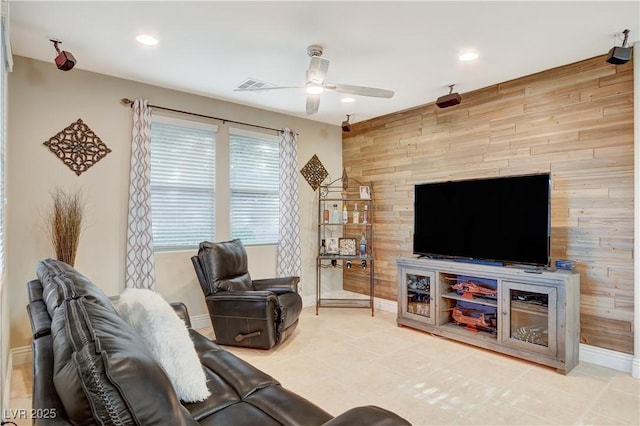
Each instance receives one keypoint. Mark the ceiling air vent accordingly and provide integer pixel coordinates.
(253, 83)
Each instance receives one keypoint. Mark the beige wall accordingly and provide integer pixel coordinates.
(576, 122)
(43, 101)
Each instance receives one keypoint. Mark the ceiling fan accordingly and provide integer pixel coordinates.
(315, 83)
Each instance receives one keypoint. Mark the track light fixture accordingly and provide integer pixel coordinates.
(620, 55)
(449, 100)
(346, 127)
(64, 60)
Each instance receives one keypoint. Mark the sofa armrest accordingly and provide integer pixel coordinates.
(277, 285)
(368, 416)
(249, 304)
(39, 318)
(181, 309)
(34, 290)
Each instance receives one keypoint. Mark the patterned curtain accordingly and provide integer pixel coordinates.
(139, 263)
(289, 263)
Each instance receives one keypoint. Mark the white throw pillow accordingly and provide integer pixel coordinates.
(167, 338)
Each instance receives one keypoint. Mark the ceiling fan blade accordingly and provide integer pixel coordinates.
(318, 68)
(359, 90)
(313, 103)
(262, 89)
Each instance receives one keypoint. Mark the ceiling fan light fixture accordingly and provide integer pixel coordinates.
(315, 84)
(314, 89)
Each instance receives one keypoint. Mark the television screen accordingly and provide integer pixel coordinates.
(504, 219)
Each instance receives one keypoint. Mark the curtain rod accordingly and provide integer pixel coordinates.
(129, 102)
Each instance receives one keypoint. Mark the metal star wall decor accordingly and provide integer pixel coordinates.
(78, 147)
(314, 172)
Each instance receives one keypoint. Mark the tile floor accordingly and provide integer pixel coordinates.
(343, 358)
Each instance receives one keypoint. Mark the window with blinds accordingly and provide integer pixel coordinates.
(255, 186)
(182, 183)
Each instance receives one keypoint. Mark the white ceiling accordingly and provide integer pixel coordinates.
(210, 47)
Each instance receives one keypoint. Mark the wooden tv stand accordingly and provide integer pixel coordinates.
(531, 314)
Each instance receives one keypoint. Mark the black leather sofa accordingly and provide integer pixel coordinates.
(90, 367)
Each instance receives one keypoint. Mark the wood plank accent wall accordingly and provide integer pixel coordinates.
(575, 121)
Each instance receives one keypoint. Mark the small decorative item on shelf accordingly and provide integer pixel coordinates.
(356, 214)
(325, 215)
(568, 265)
(345, 214)
(333, 245)
(347, 246)
(335, 214)
(365, 214)
(531, 335)
(363, 245)
(345, 183)
(365, 193)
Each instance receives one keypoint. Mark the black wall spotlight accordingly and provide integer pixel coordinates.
(620, 55)
(64, 60)
(346, 127)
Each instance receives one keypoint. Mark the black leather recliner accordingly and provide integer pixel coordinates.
(245, 312)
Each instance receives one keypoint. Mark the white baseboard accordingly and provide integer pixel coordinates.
(386, 305)
(308, 301)
(607, 358)
(200, 321)
(635, 367)
(21, 355)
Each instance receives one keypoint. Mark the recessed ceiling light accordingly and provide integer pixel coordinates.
(147, 40)
(468, 56)
(347, 100)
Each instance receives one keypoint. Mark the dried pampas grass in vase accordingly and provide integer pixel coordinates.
(65, 223)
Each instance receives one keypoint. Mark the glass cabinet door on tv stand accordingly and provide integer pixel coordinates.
(530, 317)
(345, 243)
(416, 294)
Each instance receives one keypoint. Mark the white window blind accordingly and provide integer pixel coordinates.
(255, 186)
(182, 183)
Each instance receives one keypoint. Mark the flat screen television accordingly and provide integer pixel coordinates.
(501, 220)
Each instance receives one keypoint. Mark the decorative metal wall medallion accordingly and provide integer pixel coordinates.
(78, 147)
(314, 172)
